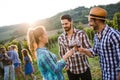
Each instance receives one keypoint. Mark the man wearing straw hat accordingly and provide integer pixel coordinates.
(106, 44)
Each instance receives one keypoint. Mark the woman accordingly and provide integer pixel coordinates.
(47, 63)
(28, 67)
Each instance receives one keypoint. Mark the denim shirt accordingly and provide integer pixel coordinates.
(14, 56)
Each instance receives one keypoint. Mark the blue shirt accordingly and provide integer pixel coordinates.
(48, 65)
(108, 49)
(14, 56)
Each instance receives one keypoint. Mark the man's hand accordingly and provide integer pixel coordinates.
(81, 50)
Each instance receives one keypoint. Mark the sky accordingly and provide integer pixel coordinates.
(19, 11)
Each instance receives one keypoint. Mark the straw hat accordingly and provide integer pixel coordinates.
(97, 13)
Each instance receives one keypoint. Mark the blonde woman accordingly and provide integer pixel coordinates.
(50, 68)
(16, 62)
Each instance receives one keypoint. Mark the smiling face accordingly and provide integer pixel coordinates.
(66, 25)
(93, 23)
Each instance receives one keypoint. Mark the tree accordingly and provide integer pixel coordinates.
(116, 21)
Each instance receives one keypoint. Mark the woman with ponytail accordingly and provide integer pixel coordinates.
(50, 68)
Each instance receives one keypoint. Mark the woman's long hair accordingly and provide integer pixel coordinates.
(26, 53)
(33, 36)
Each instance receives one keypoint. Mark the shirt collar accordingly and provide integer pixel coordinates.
(43, 48)
(103, 31)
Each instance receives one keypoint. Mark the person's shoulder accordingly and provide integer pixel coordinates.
(41, 54)
(41, 51)
(114, 31)
(14, 52)
(61, 36)
(80, 31)
(9, 52)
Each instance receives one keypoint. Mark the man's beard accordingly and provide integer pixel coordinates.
(67, 29)
(95, 27)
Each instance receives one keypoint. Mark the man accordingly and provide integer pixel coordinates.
(77, 66)
(106, 44)
(7, 63)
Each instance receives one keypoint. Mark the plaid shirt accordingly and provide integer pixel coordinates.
(77, 63)
(48, 65)
(108, 49)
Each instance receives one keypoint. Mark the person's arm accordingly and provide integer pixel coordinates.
(115, 41)
(62, 52)
(10, 54)
(91, 52)
(85, 41)
(50, 64)
(6, 56)
(68, 54)
(85, 51)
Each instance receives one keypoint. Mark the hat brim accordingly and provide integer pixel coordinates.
(95, 17)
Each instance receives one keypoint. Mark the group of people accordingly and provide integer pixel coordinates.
(12, 64)
(74, 47)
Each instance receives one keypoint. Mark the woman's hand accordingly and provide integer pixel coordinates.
(68, 54)
(82, 50)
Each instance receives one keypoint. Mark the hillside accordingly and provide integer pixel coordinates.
(13, 31)
(78, 15)
(52, 23)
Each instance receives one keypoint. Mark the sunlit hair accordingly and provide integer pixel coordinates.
(66, 16)
(25, 53)
(9, 47)
(33, 36)
(14, 47)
